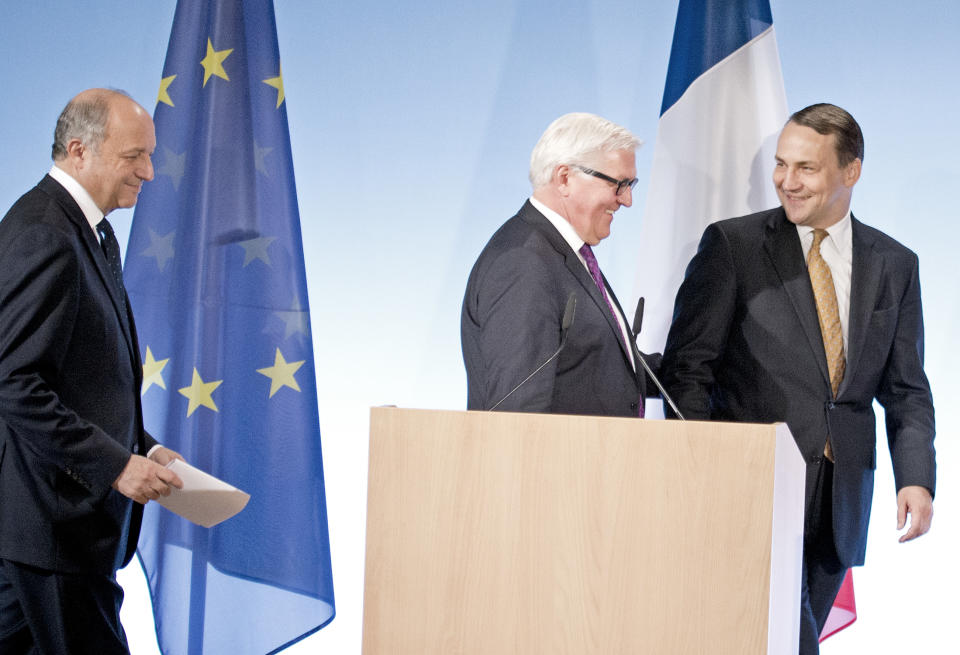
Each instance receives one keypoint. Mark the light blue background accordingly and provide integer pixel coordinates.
(412, 128)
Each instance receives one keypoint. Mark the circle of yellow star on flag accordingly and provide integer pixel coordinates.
(199, 393)
(152, 372)
(163, 95)
(213, 63)
(277, 83)
(281, 374)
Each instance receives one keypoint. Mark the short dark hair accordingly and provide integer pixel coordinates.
(825, 118)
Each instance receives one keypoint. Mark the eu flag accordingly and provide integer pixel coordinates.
(215, 274)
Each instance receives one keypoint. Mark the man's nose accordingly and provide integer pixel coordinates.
(791, 180)
(146, 172)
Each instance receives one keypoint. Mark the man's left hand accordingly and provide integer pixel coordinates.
(917, 502)
(164, 455)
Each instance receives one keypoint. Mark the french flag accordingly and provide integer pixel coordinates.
(723, 107)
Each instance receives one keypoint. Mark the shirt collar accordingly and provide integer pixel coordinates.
(89, 208)
(563, 226)
(840, 231)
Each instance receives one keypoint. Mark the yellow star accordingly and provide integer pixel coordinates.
(153, 372)
(199, 393)
(281, 374)
(277, 83)
(163, 95)
(213, 63)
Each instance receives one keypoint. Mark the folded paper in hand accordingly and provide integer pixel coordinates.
(204, 499)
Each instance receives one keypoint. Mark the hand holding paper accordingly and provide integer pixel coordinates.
(204, 499)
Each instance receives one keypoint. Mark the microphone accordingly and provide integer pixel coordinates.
(565, 323)
(638, 318)
(637, 322)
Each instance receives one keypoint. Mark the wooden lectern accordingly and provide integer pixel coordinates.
(495, 533)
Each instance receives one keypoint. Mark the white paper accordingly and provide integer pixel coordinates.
(204, 499)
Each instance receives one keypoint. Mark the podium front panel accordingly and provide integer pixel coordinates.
(530, 533)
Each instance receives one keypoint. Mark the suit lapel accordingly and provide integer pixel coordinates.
(613, 321)
(578, 270)
(95, 253)
(99, 260)
(576, 267)
(865, 275)
(782, 245)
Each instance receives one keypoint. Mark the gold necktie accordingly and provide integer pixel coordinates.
(829, 314)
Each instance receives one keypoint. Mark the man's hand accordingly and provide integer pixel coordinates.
(143, 479)
(164, 455)
(917, 502)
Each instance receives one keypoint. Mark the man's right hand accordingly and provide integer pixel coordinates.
(143, 479)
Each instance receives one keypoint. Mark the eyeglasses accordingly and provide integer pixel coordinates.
(621, 184)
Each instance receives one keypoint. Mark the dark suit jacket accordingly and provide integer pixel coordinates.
(510, 324)
(745, 345)
(70, 378)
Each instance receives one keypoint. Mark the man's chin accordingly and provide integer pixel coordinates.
(794, 217)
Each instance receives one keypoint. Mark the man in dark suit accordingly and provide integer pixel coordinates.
(73, 451)
(582, 170)
(804, 314)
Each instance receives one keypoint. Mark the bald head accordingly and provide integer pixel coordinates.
(104, 140)
(84, 118)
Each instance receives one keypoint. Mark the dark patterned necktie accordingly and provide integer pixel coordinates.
(587, 252)
(111, 249)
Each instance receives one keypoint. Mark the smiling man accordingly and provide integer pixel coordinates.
(76, 464)
(583, 169)
(803, 314)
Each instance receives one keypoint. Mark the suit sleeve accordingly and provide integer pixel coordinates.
(702, 316)
(905, 395)
(39, 298)
(655, 362)
(518, 314)
(149, 442)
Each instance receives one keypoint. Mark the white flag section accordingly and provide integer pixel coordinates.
(713, 159)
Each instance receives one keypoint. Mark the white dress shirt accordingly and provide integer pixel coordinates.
(80, 195)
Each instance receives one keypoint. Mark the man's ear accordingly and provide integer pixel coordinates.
(561, 178)
(76, 151)
(852, 172)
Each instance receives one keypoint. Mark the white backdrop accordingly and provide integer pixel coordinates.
(411, 129)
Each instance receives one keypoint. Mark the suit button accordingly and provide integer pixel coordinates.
(831, 405)
(634, 406)
(816, 459)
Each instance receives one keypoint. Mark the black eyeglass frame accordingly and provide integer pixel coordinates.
(621, 184)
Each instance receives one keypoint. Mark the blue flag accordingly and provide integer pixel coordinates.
(215, 274)
(706, 33)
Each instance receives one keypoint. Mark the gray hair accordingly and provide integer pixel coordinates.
(573, 139)
(84, 118)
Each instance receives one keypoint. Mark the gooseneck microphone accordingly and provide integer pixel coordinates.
(565, 323)
(638, 318)
(637, 322)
